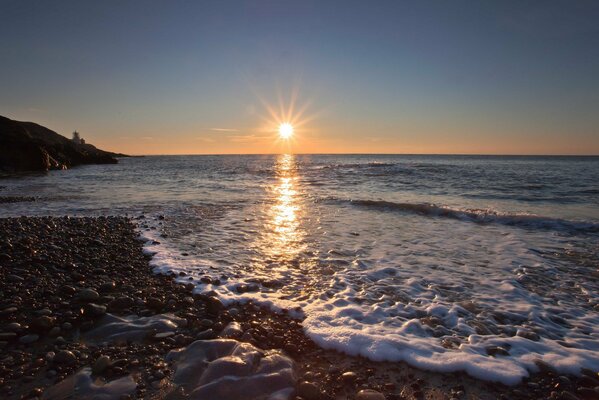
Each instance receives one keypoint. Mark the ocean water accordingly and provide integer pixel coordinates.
(451, 263)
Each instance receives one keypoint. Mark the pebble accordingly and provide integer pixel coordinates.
(163, 335)
(88, 295)
(349, 376)
(15, 278)
(121, 303)
(54, 331)
(101, 364)
(43, 323)
(13, 327)
(369, 394)
(65, 357)
(232, 330)
(308, 391)
(107, 287)
(94, 310)
(27, 339)
(7, 336)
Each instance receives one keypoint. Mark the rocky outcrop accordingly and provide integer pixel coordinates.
(25, 146)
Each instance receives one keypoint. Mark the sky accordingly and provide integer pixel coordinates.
(203, 77)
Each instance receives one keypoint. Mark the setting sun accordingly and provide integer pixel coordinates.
(285, 130)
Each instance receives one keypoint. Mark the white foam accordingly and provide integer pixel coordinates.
(379, 307)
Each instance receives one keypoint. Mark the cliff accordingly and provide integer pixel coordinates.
(26, 146)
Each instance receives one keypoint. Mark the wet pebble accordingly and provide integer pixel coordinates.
(101, 364)
(369, 394)
(28, 339)
(88, 295)
(308, 391)
(66, 357)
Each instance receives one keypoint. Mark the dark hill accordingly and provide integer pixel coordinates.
(25, 146)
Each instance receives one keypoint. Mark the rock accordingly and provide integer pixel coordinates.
(66, 357)
(154, 303)
(164, 335)
(25, 146)
(12, 327)
(15, 278)
(107, 287)
(369, 394)
(9, 310)
(213, 305)
(101, 364)
(28, 339)
(54, 331)
(121, 303)
(205, 335)
(88, 295)
(42, 324)
(7, 336)
(94, 310)
(349, 376)
(308, 391)
(69, 290)
(232, 330)
(497, 351)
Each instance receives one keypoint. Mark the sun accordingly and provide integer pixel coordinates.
(285, 130)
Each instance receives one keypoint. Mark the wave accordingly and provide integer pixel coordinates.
(482, 216)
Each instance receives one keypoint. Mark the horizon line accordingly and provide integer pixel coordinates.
(369, 154)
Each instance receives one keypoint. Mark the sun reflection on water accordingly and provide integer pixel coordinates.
(283, 233)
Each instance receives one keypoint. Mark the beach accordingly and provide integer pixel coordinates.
(62, 276)
(123, 283)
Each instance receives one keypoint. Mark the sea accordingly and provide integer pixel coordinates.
(481, 264)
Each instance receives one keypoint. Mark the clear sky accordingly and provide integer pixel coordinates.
(187, 77)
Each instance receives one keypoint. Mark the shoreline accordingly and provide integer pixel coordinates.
(62, 276)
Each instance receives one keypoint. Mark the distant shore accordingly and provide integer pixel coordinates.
(62, 277)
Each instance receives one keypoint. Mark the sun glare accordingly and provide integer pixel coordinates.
(285, 130)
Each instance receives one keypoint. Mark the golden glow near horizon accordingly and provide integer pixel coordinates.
(285, 130)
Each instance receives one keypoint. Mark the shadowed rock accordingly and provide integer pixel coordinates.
(26, 146)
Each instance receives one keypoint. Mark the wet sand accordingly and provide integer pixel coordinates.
(61, 277)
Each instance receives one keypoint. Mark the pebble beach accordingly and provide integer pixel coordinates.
(63, 278)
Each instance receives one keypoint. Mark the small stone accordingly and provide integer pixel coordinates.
(206, 323)
(15, 278)
(154, 303)
(369, 394)
(54, 331)
(213, 305)
(9, 310)
(163, 335)
(7, 336)
(13, 327)
(42, 324)
(101, 364)
(88, 295)
(27, 339)
(233, 330)
(349, 376)
(308, 391)
(206, 335)
(497, 351)
(94, 310)
(65, 357)
(121, 303)
(67, 326)
(107, 287)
